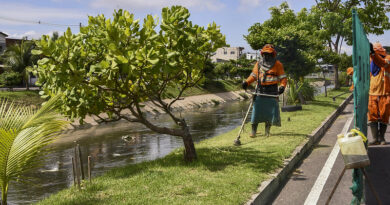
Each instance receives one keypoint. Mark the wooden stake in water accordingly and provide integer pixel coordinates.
(74, 171)
(89, 169)
(77, 167)
(81, 162)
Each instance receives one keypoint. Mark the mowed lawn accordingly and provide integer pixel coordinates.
(223, 174)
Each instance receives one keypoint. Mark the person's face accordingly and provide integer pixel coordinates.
(268, 56)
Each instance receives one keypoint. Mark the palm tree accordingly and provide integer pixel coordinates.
(18, 57)
(25, 133)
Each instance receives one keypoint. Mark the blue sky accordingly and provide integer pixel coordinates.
(234, 16)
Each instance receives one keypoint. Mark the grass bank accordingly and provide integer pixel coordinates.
(223, 174)
(215, 86)
(25, 97)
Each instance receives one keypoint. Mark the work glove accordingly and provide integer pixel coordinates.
(244, 85)
(281, 90)
(371, 49)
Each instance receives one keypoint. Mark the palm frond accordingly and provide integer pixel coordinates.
(24, 136)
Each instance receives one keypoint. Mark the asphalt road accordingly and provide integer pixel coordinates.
(313, 180)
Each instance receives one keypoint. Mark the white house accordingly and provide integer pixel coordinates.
(226, 54)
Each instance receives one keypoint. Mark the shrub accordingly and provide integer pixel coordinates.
(10, 79)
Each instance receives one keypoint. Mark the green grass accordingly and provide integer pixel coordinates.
(25, 97)
(223, 174)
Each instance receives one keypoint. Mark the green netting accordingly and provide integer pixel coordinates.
(361, 80)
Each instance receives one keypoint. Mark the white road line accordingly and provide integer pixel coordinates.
(316, 190)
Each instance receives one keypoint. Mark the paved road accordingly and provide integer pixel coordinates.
(313, 180)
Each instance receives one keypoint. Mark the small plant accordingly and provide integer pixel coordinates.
(293, 91)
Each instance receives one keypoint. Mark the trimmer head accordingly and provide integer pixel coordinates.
(237, 142)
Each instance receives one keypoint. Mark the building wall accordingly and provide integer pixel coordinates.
(227, 53)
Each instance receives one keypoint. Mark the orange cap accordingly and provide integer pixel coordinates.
(268, 48)
(350, 71)
(378, 48)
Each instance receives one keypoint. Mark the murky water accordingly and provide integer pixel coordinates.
(118, 144)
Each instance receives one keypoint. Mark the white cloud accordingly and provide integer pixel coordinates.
(212, 5)
(18, 14)
(29, 34)
(252, 4)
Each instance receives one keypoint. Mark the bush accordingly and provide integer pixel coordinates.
(10, 79)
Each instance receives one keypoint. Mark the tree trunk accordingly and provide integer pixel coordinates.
(336, 77)
(27, 80)
(189, 147)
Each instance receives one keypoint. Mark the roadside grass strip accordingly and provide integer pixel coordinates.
(223, 174)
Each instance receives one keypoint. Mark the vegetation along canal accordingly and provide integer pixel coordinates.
(117, 144)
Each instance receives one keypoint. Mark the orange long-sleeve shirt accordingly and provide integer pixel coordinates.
(274, 75)
(380, 84)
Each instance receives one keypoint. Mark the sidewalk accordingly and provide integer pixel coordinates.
(313, 180)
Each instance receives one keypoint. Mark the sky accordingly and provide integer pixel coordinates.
(20, 18)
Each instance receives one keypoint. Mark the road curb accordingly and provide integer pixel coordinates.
(269, 188)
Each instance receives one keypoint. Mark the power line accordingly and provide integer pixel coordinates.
(38, 22)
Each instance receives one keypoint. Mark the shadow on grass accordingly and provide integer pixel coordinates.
(324, 104)
(213, 159)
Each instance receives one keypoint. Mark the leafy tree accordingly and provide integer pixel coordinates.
(18, 57)
(223, 69)
(345, 62)
(24, 136)
(335, 21)
(114, 66)
(208, 70)
(292, 35)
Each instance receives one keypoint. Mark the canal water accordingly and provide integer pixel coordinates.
(118, 144)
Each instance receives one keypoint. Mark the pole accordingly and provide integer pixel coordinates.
(335, 187)
(81, 162)
(89, 169)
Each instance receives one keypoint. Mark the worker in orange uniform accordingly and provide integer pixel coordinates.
(268, 73)
(350, 73)
(379, 99)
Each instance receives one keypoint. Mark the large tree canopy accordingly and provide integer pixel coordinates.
(335, 21)
(114, 66)
(292, 35)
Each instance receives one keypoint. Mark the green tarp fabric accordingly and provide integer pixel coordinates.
(361, 80)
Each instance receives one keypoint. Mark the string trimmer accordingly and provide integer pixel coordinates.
(237, 142)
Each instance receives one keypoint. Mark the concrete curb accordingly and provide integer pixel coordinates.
(269, 188)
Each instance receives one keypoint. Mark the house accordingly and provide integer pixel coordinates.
(226, 54)
(12, 41)
(252, 56)
(2, 41)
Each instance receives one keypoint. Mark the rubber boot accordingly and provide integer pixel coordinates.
(254, 130)
(382, 132)
(374, 133)
(267, 129)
